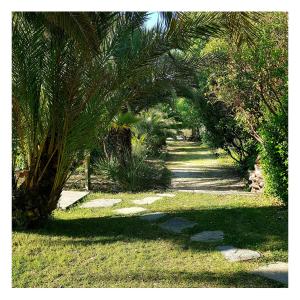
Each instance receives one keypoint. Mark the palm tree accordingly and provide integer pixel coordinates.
(71, 74)
(117, 143)
(64, 91)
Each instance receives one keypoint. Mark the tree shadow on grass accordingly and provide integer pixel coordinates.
(195, 279)
(181, 157)
(263, 228)
(256, 228)
(190, 148)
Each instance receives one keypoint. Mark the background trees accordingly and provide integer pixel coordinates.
(254, 82)
(240, 90)
(76, 75)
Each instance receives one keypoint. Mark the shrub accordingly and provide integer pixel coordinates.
(152, 130)
(274, 154)
(138, 174)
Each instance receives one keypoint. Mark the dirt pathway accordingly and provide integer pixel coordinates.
(197, 169)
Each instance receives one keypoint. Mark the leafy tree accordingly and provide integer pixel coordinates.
(69, 70)
(72, 73)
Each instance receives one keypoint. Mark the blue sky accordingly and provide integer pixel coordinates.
(153, 17)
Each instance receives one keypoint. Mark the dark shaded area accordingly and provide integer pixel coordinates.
(243, 227)
(214, 173)
(251, 228)
(233, 280)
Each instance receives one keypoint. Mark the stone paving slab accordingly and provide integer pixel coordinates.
(234, 254)
(166, 195)
(277, 271)
(153, 216)
(176, 225)
(101, 203)
(69, 198)
(199, 191)
(208, 236)
(129, 210)
(147, 200)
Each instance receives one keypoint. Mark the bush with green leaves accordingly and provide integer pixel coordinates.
(153, 128)
(274, 155)
(137, 175)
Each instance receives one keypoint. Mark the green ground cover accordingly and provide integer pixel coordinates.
(99, 248)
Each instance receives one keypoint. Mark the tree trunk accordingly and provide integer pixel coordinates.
(34, 199)
(87, 183)
(195, 134)
(118, 145)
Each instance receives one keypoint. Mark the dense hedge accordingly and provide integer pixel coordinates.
(274, 154)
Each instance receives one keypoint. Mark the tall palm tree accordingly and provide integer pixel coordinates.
(64, 91)
(71, 74)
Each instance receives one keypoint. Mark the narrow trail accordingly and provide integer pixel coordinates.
(196, 169)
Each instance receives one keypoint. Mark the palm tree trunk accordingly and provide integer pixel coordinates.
(34, 199)
(118, 145)
(87, 160)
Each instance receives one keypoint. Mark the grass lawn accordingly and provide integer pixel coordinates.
(97, 248)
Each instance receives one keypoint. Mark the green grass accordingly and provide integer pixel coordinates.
(97, 248)
(196, 155)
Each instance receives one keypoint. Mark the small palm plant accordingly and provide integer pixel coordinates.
(117, 143)
(154, 127)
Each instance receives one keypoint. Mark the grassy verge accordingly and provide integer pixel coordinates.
(98, 248)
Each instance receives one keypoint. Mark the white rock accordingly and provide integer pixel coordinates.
(166, 195)
(176, 225)
(129, 210)
(69, 198)
(234, 254)
(277, 271)
(147, 200)
(101, 203)
(208, 236)
(152, 216)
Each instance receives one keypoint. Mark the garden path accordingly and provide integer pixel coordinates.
(197, 169)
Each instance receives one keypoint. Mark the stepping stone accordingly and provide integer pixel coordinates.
(277, 271)
(166, 195)
(152, 216)
(129, 210)
(69, 198)
(208, 236)
(101, 203)
(147, 200)
(234, 254)
(176, 225)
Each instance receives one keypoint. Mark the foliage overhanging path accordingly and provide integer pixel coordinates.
(198, 169)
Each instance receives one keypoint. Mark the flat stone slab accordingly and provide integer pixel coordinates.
(239, 193)
(166, 195)
(101, 203)
(208, 236)
(152, 216)
(176, 225)
(277, 271)
(234, 254)
(129, 210)
(147, 200)
(69, 198)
